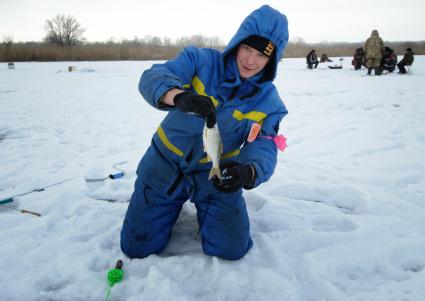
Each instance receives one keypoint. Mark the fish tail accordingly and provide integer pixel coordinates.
(215, 171)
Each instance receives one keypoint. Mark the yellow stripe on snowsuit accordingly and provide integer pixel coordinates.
(223, 156)
(199, 87)
(253, 115)
(167, 142)
(179, 153)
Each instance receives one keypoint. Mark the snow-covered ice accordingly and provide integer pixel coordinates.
(343, 217)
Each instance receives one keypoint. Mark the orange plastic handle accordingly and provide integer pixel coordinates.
(253, 133)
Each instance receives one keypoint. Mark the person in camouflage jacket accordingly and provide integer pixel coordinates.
(373, 48)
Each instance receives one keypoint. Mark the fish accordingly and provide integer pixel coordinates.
(213, 146)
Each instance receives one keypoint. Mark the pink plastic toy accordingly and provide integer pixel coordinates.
(279, 140)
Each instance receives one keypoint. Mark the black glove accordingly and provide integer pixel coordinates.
(198, 105)
(234, 177)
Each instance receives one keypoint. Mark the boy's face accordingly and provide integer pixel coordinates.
(250, 61)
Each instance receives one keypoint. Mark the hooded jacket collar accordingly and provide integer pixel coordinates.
(268, 23)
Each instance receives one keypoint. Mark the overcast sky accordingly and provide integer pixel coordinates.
(314, 21)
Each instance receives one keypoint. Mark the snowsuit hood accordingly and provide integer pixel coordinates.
(375, 33)
(266, 22)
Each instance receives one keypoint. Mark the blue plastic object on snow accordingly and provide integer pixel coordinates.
(5, 201)
(116, 176)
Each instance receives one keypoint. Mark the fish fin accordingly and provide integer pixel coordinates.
(215, 171)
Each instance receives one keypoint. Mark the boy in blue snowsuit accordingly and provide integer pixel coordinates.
(233, 88)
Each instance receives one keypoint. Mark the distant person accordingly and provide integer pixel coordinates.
(312, 59)
(201, 89)
(324, 58)
(389, 60)
(358, 59)
(406, 61)
(373, 48)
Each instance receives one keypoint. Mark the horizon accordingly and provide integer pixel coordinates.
(174, 41)
(222, 43)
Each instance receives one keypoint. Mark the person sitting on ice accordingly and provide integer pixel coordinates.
(312, 59)
(389, 60)
(358, 59)
(324, 58)
(406, 61)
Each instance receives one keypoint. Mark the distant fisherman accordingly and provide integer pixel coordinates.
(233, 89)
(373, 49)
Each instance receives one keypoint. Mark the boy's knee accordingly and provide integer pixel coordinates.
(136, 245)
(133, 252)
(232, 251)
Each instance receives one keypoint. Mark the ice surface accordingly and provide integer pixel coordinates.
(343, 217)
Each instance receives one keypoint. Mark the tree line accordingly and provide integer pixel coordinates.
(142, 50)
(64, 41)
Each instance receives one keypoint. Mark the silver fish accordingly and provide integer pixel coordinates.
(213, 146)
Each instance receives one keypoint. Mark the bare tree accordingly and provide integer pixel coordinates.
(8, 42)
(199, 40)
(64, 30)
(153, 40)
(8, 39)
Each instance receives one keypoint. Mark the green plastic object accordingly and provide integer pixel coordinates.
(115, 275)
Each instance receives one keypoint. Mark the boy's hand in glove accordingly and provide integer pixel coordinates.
(198, 105)
(234, 177)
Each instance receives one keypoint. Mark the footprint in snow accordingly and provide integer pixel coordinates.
(332, 224)
(53, 283)
(254, 201)
(345, 197)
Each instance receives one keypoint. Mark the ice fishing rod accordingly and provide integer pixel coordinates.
(111, 176)
(5, 201)
(22, 210)
(115, 176)
(12, 198)
(114, 276)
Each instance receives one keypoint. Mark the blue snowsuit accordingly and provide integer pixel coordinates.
(175, 168)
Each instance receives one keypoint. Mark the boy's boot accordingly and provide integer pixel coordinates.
(369, 71)
(377, 71)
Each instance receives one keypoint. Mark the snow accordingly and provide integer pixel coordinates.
(343, 217)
